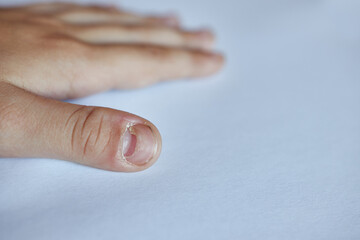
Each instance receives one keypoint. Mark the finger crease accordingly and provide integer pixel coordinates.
(86, 143)
(73, 134)
(99, 129)
(72, 114)
(86, 119)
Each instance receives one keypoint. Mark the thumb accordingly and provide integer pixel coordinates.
(34, 126)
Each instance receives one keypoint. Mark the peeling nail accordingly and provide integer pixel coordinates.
(138, 144)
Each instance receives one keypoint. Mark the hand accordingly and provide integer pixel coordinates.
(61, 50)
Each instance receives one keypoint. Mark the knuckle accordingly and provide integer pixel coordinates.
(90, 132)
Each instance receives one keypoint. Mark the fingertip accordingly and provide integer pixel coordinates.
(171, 19)
(208, 63)
(200, 39)
(139, 145)
(220, 60)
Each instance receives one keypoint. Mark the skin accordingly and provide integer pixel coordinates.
(55, 51)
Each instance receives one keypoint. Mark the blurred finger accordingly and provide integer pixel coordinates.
(105, 33)
(96, 16)
(132, 66)
(53, 7)
(48, 7)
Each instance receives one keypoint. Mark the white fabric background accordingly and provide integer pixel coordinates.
(267, 149)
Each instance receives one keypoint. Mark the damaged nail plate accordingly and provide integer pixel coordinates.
(139, 144)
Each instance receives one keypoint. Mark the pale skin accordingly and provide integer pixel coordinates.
(55, 51)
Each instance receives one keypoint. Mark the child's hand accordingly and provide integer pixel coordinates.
(64, 51)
